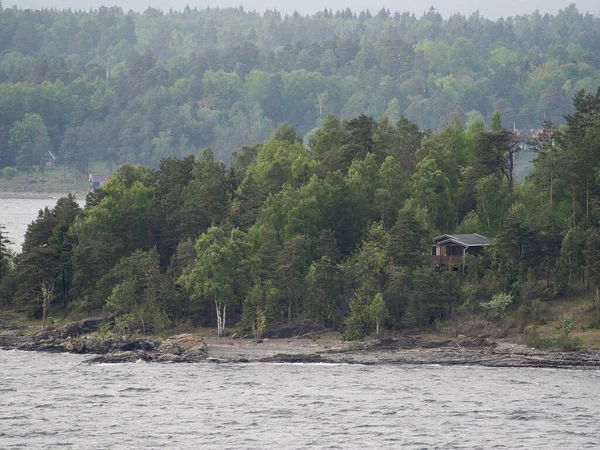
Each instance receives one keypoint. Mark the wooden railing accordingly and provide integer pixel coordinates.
(443, 260)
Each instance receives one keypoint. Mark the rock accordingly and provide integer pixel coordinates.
(168, 358)
(82, 327)
(121, 357)
(139, 344)
(285, 358)
(190, 347)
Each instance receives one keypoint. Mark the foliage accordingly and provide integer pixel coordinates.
(566, 326)
(128, 87)
(140, 299)
(498, 304)
(378, 311)
(337, 232)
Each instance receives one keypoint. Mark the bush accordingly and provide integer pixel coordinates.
(534, 340)
(531, 311)
(595, 322)
(497, 305)
(9, 172)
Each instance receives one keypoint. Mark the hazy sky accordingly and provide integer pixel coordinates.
(488, 8)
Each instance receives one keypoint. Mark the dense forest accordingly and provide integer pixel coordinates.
(134, 88)
(338, 232)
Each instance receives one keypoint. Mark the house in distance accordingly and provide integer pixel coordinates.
(97, 180)
(452, 248)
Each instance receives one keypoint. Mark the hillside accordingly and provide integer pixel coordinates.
(129, 87)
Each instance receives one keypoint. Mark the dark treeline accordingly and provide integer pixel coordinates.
(134, 88)
(338, 233)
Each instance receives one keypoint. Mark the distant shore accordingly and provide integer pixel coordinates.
(325, 347)
(25, 195)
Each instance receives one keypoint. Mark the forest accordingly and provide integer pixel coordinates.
(116, 87)
(268, 170)
(337, 233)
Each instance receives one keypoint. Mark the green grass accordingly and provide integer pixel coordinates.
(578, 305)
(56, 180)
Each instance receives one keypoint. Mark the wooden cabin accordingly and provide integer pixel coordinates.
(97, 180)
(452, 248)
(49, 159)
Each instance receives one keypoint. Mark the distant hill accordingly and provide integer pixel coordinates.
(135, 87)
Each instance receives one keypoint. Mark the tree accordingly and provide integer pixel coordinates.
(48, 297)
(325, 284)
(258, 308)
(224, 271)
(571, 259)
(141, 295)
(29, 138)
(5, 254)
(205, 198)
(591, 253)
(497, 151)
(407, 238)
(378, 311)
(292, 265)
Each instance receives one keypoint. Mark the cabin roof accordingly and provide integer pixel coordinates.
(465, 240)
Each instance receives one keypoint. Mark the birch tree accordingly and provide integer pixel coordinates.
(224, 270)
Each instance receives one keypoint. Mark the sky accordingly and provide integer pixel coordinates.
(487, 8)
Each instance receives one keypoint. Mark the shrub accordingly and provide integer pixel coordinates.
(566, 326)
(531, 311)
(497, 305)
(9, 172)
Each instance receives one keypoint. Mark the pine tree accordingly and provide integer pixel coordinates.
(5, 253)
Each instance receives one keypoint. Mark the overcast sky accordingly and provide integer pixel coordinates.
(488, 8)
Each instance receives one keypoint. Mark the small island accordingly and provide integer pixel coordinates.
(338, 187)
(332, 243)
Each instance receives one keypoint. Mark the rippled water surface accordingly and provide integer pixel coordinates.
(16, 214)
(49, 401)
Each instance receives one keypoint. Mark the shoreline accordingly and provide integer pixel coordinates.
(82, 338)
(24, 195)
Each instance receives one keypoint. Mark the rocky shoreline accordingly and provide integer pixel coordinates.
(83, 338)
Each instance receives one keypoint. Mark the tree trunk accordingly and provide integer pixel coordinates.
(573, 199)
(218, 309)
(44, 311)
(587, 202)
(289, 308)
(511, 159)
(551, 189)
(221, 317)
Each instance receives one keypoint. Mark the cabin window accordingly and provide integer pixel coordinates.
(453, 250)
(433, 252)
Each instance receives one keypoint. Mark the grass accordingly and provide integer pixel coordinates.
(56, 180)
(578, 305)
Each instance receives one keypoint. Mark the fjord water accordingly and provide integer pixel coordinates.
(51, 401)
(17, 213)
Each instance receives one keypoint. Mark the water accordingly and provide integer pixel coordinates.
(17, 213)
(49, 401)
